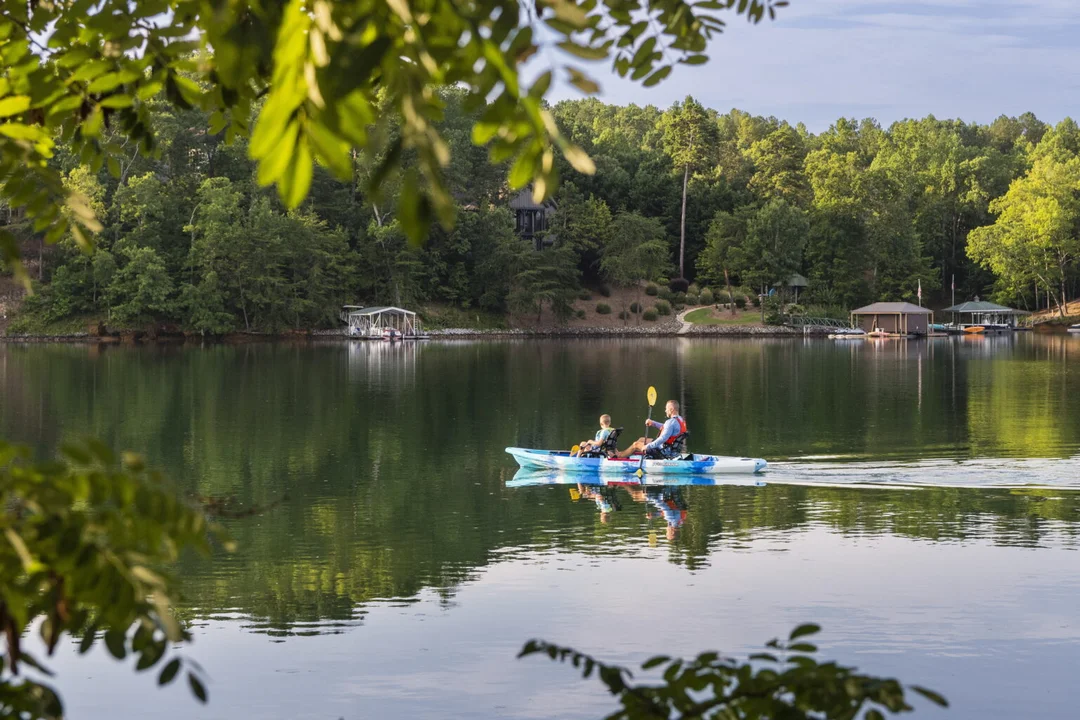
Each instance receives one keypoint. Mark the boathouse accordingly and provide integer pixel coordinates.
(986, 314)
(901, 318)
(372, 321)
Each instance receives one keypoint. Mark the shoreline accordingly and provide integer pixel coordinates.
(142, 338)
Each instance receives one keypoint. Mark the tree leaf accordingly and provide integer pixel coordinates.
(804, 630)
(115, 641)
(14, 104)
(584, 52)
(197, 687)
(931, 695)
(657, 76)
(168, 673)
(296, 182)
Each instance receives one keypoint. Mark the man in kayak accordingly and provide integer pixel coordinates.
(664, 445)
(601, 435)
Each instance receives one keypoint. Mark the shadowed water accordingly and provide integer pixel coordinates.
(921, 503)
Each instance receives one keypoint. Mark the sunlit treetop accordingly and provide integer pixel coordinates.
(307, 79)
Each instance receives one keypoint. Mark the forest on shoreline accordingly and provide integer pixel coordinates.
(864, 212)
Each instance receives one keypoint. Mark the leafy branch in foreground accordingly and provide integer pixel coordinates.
(83, 544)
(311, 80)
(786, 682)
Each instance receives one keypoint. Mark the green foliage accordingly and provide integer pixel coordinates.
(649, 315)
(311, 80)
(624, 315)
(774, 308)
(579, 314)
(678, 285)
(605, 290)
(663, 307)
(665, 294)
(740, 302)
(88, 543)
(706, 297)
(693, 289)
(692, 300)
(584, 295)
(603, 309)
(546, 279)
(785, 681)
(651, 289)
(635, 308)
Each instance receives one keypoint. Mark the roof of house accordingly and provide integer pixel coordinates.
(891, 308)
(981, 306)
(524, 201)
(377, 310)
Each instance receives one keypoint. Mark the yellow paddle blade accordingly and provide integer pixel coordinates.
(652, 539)
(574, 450)
(574, 494)
(652, 396)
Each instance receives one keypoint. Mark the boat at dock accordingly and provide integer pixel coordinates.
(688, 464)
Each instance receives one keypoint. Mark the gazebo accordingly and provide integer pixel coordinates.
(370, 322)
(984, 313)
(900, 318)
(796, 281)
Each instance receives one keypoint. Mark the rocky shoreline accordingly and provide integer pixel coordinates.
(664, 330)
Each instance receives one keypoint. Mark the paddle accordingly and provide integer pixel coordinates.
(575, 450)
(651, 395)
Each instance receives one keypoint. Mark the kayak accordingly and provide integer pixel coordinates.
(526, 477)
(690, 464)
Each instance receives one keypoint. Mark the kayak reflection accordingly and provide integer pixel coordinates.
(662, 495)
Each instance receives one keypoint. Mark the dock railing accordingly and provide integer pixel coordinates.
(816, 323)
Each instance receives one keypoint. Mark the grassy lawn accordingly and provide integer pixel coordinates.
(712, 316)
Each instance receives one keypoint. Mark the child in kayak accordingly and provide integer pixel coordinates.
(598, 439)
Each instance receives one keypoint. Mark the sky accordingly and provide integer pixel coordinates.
(825, 59)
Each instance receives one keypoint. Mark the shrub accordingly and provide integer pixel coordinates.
(651, 289)
(707, 297)
(580, 314)
(678, 285)
(740, 302)
(773, 311)
(692, 299)
(665, 294)
(796, 310)
(693, 289)
(623, 315)
(603, 309)
(680, 298)
(635, 308)
(649, 315)
(755, 298)
(605, 290)
(663, 307)
(584, 295)
(678, 308)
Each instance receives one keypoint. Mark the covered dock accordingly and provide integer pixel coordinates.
(897, 318)
(371, 322)
(986, 314)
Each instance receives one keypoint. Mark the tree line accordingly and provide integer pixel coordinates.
(729, 200)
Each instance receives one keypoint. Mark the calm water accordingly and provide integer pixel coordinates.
(921, 504)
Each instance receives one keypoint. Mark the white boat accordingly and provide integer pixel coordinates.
(391, 334)
(1074, 328)
(848, 334)
(689, 464)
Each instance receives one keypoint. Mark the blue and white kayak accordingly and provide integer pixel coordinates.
(526, 477)
(690, 464)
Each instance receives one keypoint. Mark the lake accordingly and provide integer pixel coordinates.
(921, 504)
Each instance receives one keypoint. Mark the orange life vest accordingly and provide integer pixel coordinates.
(682, 431)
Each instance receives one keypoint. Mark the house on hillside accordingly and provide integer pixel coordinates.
(531, 220)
